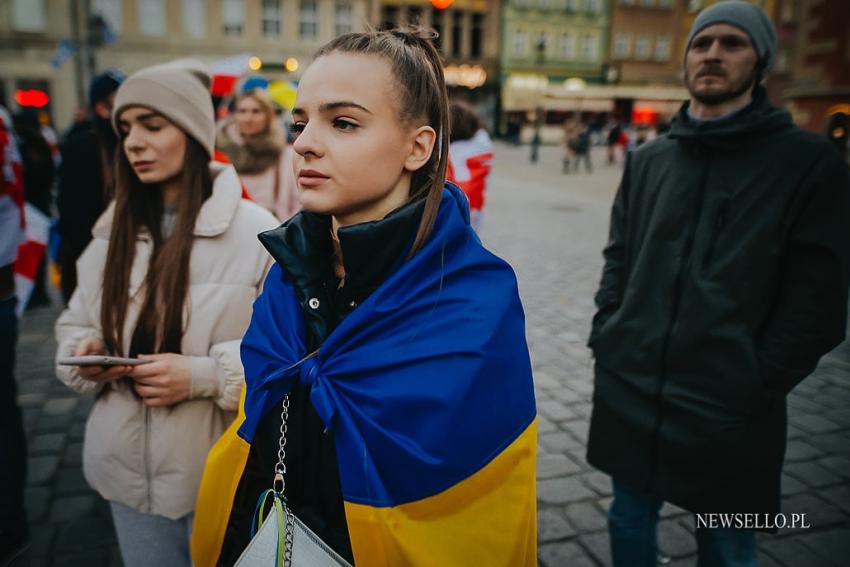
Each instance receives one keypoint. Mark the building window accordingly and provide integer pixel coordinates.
(152, 17)
(541, 48)
(622, 45)
(414, 15)
(520, 43)
(28, 15)
(271, 18)
(786, 13)
(591, 6)
(111, 11)
(781, 62)
(627, 2)
(233, 17)
(476, 38)
(342, 18)
(308, 22)
(662, 48)
(647, 3)
(389, 17)
(642, 47)
(568, 46)
(457, 32)
(437, 25)
(588, 47)
(194, 15)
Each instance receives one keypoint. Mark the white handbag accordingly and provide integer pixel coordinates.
(279, 538)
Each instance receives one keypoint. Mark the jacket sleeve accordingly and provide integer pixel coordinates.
(610, 292)
(74, 325)
(810, 310)
(220, 375)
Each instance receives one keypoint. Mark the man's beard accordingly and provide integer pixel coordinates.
(716, 98)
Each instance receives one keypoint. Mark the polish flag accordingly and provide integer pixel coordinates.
(30, 254)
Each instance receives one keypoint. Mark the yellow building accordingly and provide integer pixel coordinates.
(147, 32)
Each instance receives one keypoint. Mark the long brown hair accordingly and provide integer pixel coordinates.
(139, 209)
(418, 72)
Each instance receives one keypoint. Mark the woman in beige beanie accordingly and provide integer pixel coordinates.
(255, 142)
(169, 279)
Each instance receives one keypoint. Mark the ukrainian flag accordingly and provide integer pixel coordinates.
(427, 386)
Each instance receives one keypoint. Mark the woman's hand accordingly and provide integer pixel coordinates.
(100, 374)
(165, 381)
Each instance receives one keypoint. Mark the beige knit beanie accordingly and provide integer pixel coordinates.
(179, 90)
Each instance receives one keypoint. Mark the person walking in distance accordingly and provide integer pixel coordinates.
(169, 278)
(725, 281)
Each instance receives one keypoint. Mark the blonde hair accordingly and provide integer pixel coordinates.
(269, 108)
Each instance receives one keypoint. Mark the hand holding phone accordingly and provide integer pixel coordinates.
(101, 373)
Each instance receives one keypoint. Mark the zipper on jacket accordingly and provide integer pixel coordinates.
(684, 268)
(719, 223)
(146, 456)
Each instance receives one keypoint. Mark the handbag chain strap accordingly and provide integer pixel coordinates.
(280, 484)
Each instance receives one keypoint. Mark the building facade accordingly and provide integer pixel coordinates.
(468, 42)
(551, 48)
(820, 86)
(35, 35)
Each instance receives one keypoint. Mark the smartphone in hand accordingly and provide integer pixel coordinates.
(100, 360)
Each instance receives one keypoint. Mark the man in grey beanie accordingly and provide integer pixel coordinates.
(725, 281)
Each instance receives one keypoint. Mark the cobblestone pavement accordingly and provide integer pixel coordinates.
(551, 228)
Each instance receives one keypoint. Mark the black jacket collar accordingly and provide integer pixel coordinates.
(371, 250)
(758, 119)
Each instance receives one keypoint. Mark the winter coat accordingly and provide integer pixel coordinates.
(264, 165)
(151, 459)
(725, 281)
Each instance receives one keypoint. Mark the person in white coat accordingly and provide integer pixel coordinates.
(169, 278)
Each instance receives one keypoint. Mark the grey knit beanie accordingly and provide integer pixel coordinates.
(178, 90)
(750, 19)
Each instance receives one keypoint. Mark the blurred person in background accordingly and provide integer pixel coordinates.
(169, 278)
(39, 174)
(725, 281)
(567, 144)
(14, 533)
(615, 132)
(581, 147)
(254, 140)
(470, 157)
(86, 176)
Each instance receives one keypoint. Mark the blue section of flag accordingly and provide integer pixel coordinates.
(422, 384)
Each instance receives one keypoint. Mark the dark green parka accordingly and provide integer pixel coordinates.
(725, 281)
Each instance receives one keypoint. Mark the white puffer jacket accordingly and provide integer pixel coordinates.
(151, 459)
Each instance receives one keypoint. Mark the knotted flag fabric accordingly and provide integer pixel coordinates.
(427, 388)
